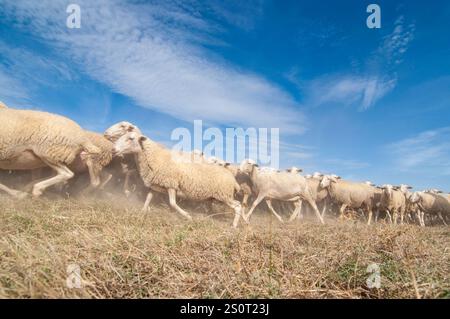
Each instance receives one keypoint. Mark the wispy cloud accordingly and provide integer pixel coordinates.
(396, 43)
(427, 152)
(364, 88)
(348, 90)
(155, 55)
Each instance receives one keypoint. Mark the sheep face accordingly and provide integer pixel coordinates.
(247, 166)
(129, 143)
(388, 190)
(415, 198)
(120, 129)
(327, 180)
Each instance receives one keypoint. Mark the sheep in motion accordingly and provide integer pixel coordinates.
(161, 172)
(432, 204)
(32, 139)
(350, 194)
(283, 186)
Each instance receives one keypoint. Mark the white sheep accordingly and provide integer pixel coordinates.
(282, 186)
(394, 201)
(350, 194)
(32, 139)
(432, 204)
(196, 181)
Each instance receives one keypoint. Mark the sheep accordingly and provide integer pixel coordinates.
(278, 185)
(95, 164)
(394, 201)
(127, 162)
(196, 181)
(33, 139)
(432, 204)
(350, 194)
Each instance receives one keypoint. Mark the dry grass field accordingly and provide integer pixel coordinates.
(124, 253)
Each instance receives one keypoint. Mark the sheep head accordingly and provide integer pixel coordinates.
(130, 143)
(247, 166)
(120, 129)
(327, 180)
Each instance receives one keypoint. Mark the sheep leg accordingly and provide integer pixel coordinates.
(255, 203)
(237, 211)
(442, 218)
(244, 203)
(297, 209)
(377, 214)
(63, 175)
(388, 213)
(148, 199)
(93, 174)
(422, 218)
(269, 204)
(369, 218)
(342, 210)
(316, 210)
(324, 209)
(395, 217)
(402, 216)
(106, 181)
(12, 192)
(126, 184)
(173, 203)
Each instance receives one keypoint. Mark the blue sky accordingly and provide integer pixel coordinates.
(367, 104)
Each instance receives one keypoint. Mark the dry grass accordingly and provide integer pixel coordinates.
(124, 253)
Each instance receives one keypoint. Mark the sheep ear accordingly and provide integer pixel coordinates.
(256, 165)
(142, 139)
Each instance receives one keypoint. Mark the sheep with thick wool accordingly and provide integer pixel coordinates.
(32, 139)
(161, 172)
(348, 194)
(432, 204)
(282, 186)
(242, 179)
(394, 201)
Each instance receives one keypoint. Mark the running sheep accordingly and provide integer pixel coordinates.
(31, 139)
(195, 181)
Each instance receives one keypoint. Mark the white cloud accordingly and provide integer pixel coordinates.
(365, 88)
(348, 90)
(427, 152)
(397, 42)
(154, 54)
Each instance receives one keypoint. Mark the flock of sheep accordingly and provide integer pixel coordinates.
(34, 141)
